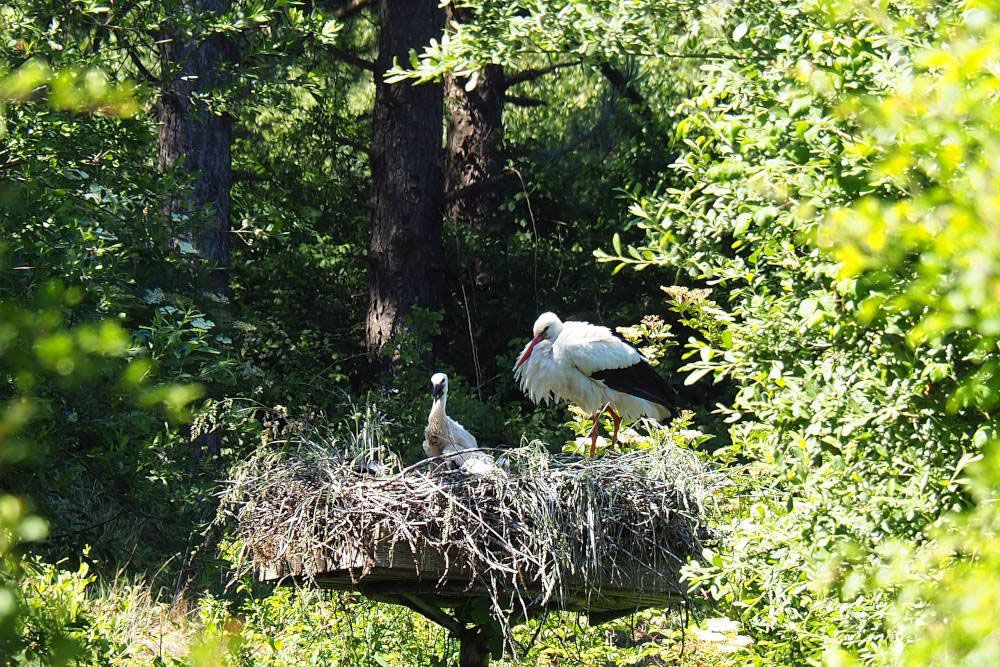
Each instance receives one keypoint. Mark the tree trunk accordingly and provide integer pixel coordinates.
(192, 66)
(475, 133)
(407, 181)
(198, 137)
(473, 648)
(473, 185)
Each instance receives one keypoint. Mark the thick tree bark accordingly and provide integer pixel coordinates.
(198, 137)
(475, 134)
(407, 179)
(474, 182)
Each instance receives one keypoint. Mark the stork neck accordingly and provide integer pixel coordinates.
(437, 409)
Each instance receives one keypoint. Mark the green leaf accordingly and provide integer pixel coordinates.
(470, 83)
(696, 375)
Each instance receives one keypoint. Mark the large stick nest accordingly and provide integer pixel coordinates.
(539, 530)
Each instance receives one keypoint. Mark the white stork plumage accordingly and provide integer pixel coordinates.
(589, 366)
(445, 436)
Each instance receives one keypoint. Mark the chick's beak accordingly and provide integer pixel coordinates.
(527, 351)
(437, 391)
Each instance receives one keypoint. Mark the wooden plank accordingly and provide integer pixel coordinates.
(395, 569)
(449, 594)
(410, 571)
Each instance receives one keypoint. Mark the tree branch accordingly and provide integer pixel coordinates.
(137, 61)
(351, 143)
(351, 8)
(620, 83)
(524, 101)
(105, 28)
(534, 73)
(351, 59)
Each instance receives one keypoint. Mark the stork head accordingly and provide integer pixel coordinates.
(547, 328)
(439, 385)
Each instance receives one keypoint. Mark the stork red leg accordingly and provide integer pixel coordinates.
(593, 434)
(617, 420)
(594, 429)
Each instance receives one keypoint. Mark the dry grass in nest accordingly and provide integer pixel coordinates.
(545, 530)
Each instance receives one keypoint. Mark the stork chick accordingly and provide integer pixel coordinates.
(445, 436)
(589, 366)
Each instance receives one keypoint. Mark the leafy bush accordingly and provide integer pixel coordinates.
(856, 392)
(835, 167)
(813, 181)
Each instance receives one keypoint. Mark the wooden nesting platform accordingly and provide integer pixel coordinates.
(538, 532)
(397, 573)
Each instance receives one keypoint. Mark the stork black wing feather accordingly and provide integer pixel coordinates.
(638, 380)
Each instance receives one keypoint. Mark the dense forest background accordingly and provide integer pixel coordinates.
(221, 218)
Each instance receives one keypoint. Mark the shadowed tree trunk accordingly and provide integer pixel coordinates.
(473, 649)
(473, 185)
(198, 137)
(475, 133)
(407, 180)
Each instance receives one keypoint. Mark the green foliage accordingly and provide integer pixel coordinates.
(64, 358)
(814, 182)
(844, 384)
(946, 590)
(45, 363)
(292, 627)
(68, 89)
(931, 253)
(56, 624)
(516, 32)
(862, 348)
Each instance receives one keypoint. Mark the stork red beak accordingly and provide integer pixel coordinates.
(527, 351)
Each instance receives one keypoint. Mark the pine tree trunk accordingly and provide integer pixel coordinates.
(473, 187)
(201, 141)
(198, 137)
(475, 134)
(407, 179)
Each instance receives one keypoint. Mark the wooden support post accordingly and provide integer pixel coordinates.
(473, 648)
(434, 613)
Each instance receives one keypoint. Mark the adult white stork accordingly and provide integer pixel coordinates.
(589, 366)
(445, 436)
